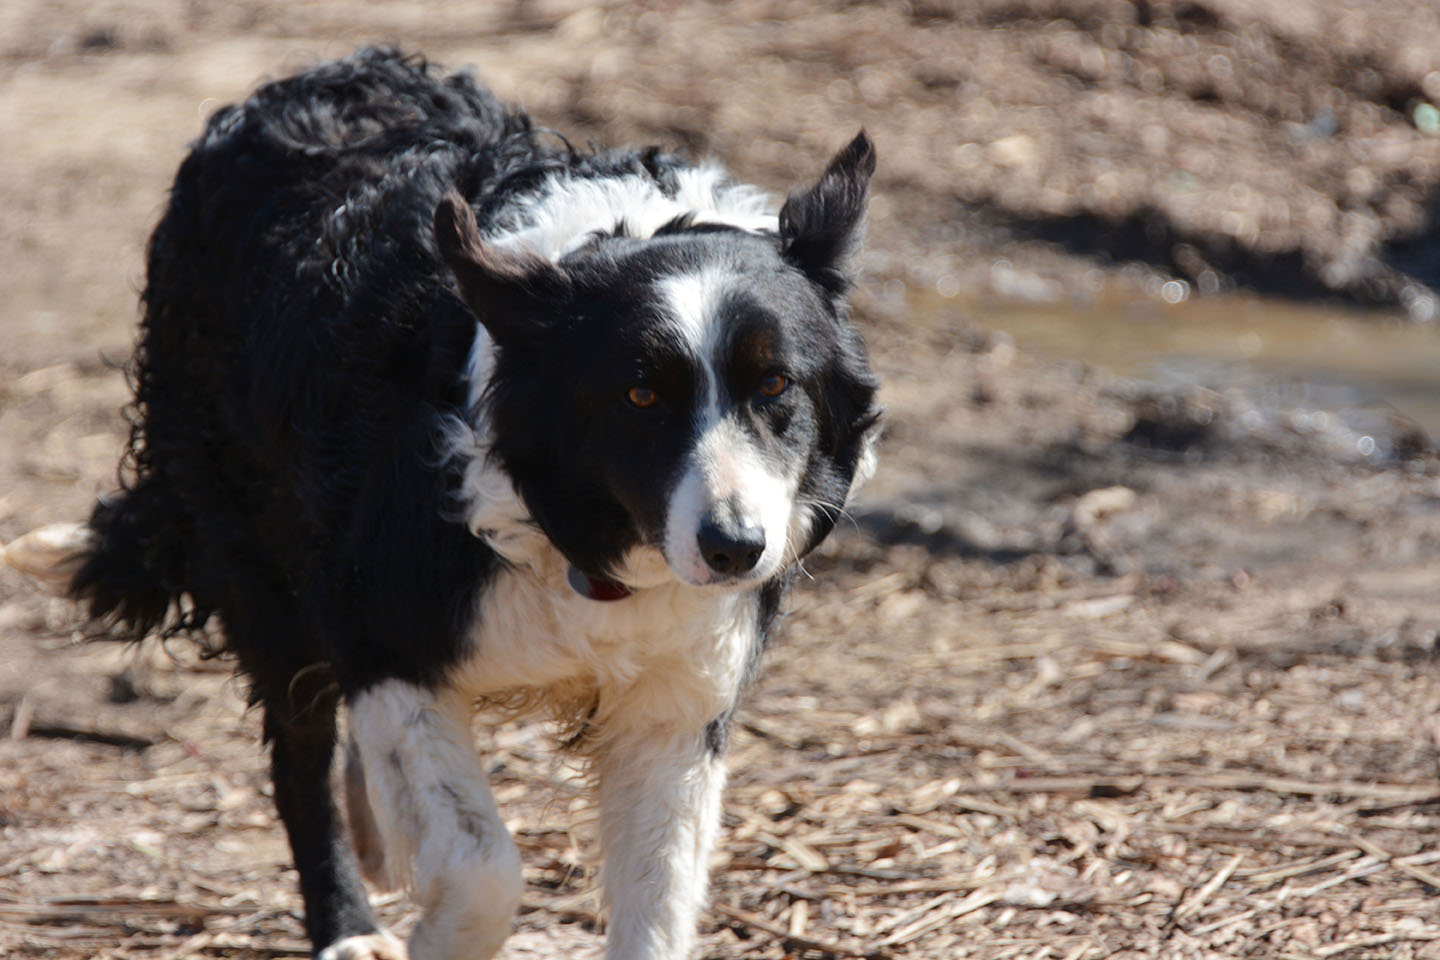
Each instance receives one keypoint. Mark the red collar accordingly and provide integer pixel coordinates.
(595, 588)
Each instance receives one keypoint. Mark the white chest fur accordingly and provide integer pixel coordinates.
(671, 654)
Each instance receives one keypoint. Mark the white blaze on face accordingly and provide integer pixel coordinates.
(725, 477)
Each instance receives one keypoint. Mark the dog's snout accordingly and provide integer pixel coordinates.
(730, 547)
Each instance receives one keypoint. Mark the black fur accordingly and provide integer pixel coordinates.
(821, 227)
(299, 349)
(307, 322)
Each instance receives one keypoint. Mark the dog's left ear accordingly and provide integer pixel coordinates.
(501, 287)
(822, 227)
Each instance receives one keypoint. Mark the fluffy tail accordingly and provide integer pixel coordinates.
(129, 569)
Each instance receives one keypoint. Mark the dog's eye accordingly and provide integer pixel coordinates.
(642, 396)
(774, 384)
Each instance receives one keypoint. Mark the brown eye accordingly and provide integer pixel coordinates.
(774, 384)
(642, 397)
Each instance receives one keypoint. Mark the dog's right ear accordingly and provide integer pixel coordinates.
(821, 227)
(501, 287)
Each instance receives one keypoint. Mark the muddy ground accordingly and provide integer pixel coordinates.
(1098, 669)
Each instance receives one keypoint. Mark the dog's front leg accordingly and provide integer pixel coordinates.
(659, 792)
(426, 794)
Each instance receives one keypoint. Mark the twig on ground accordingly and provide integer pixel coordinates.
(909, 916)
(1214, 925)
(976, 900)
(1399, 863)
(832, 947)
(1378, 940)
(107, 911)
(899, 889)
(1208, 889)
(1263, 875)
(1124, 784)
(1363, 868)
(193, 945)
(65, 731)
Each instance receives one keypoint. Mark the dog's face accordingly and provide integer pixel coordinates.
(697, 394)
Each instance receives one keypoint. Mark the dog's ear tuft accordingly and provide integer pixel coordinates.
(501, 287)
(821, 228)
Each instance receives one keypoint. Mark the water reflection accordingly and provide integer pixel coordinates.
(1315, 367)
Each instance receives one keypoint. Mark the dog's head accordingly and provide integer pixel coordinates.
(697, 394)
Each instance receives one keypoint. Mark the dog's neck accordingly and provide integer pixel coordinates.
(596, 588)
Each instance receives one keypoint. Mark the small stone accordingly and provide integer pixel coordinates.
(1427, 118)
(1017, 151)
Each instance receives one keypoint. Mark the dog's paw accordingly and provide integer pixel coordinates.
(371, 946)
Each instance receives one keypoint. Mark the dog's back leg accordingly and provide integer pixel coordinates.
(365, 836)
(437, 819)
(338, 918)
(301, 749)
(301, 698)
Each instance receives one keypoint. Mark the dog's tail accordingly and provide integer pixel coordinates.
(134, 562)
(125, 564)
(131, 569)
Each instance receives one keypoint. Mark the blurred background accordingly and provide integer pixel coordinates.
(1128, 650)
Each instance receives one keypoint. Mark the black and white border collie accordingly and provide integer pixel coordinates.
(434, 411)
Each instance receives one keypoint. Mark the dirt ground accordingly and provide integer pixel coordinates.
(1098, 668)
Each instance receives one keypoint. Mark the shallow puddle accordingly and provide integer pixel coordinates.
(1295, 355)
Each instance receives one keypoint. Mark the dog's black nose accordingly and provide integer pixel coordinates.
(730, 548)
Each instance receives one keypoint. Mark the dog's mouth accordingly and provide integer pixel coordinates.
(595, 588)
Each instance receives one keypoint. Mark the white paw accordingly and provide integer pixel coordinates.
(372, 946)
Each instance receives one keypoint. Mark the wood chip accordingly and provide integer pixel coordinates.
(51, 555)
(799, 915)
(975, 901)
(20, 721)
(191, 946)
(802, 853)
(910, 916)
(1203, 895)
(937, 827)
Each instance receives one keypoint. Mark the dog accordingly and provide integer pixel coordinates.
(433, 410)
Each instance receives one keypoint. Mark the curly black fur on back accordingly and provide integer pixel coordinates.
(299, 346)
